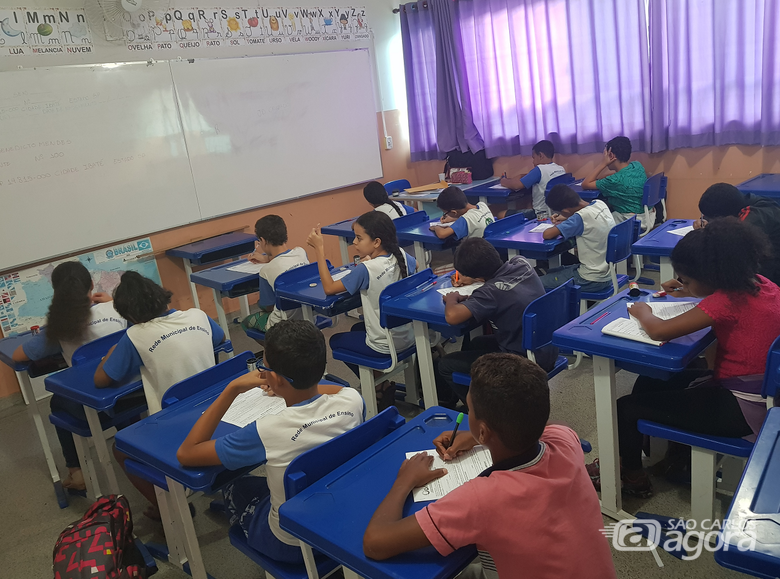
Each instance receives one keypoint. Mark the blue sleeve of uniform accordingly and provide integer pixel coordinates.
(411, 263)
(39, 347)
(217, 333)
(572, 227)
(124, 361)
(240, 448)
(461, 228)
(532, 178)
(267, 296)
(357, 280)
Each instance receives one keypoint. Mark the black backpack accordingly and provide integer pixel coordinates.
(101, 545)
(480, 166)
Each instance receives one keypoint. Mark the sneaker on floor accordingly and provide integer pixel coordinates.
(594, 469)
(639, 486)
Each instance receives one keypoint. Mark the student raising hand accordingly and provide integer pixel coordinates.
(448, 450)
(315, 238)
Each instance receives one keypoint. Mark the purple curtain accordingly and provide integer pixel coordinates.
(715, 72)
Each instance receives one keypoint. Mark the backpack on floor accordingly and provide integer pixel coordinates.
(100, 545)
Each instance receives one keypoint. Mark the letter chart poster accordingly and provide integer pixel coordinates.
(43, 31)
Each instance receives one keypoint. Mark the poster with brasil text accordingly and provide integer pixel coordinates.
(26, 294)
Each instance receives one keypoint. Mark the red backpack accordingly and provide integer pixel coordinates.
(100, 545)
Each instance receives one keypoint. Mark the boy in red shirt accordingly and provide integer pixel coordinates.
(534, 513)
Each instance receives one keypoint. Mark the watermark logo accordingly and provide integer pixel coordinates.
(686, 537)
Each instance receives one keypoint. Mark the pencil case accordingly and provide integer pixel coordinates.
(460, 175)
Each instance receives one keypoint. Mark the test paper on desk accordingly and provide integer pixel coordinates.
(439, 224)
(248, 267)
(681, 231)
(630, 329)
(252, 405)
(499, 186)
(541, 227)
(459, 471)
(465, 290)
(340, 275)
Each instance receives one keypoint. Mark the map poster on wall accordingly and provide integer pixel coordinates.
(43, 31)
(186, 28)
(26, 294)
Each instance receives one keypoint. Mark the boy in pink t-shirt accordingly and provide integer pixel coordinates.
(534, 513)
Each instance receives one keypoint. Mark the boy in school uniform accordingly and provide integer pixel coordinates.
(467, 220)
(724, 200)
(536, 180)
(537, 482)
(295, 356)
(508, 288)
(272, 249)
(623, 189)
(590, 223)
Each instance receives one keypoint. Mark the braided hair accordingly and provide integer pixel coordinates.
(725, 255)
(376, 195)
(379, 226)
(69, 309)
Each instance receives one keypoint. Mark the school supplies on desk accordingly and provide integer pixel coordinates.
(459, 471)
(681, 231)
(630, 328)
(248, 267)
(465, 290)
(340, 275)
(251, 406)
(541, 227)
(440, 224)
(430, 187)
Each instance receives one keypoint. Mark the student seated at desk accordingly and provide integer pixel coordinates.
(383, 262)
(376, 194)
(295, 354)
(724, 200)
(590, 223)
(272, 249)
(532, 514)
(77, 316)
(536, 180)
(467, 220)
(509, 288)
(720, 264)
(623, 189)
(165, 345)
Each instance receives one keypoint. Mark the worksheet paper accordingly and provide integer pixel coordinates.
(668, 310)
(631, 329)
(248, 267)
(464, 468)
(465, 290)
(252, 405)
(681, 231)
(440, 224)
(340, 275)
(498, 186)
(541, 227)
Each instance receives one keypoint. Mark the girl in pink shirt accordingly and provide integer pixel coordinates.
(719, 264)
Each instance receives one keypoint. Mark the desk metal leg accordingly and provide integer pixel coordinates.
(555, 261)
(221, 319)
(483, 199)
(308, 313)
(243, 304)
(368, 390)
(512, 253)
(419, 255)
(171, 528)
(606, 420)
(350, 574)
(87, 467)
(667, 271)
(430, 398)
(193, 287)
(344, 248)
(190, 540)
(104, 455)
(622, 267)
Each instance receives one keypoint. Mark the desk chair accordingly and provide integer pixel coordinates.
(618, 250)
(394, 361)
(707, 452)
(654, 192)
(305, 470)
(397, 186)
(96, 348)
(564, 179)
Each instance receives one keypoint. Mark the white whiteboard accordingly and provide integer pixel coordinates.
(89, 156)
(266, 129)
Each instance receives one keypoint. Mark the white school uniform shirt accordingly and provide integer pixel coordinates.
(282, 437)
(390, 211)
(473, 222)
(371, 277)
(548, 171)
(591, 226)
(290, 259)
(167, 349)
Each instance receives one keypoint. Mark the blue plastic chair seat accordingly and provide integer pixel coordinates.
(606, 293)
(730, 446)
(81, 427)
(275, 568)
(377, 362)
(461, 378)
(561, 363)
(321, 322)
(226, 347)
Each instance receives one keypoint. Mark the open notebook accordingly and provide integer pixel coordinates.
(630, 329)
(459, 471)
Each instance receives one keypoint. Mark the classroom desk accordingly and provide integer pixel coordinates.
(227, 284)
(342, 230)
(24, 372)
(586, 194)
(584, 335)
(765, 185)
(425, 309)
(333, 513)
(660, 243)
(309, 295)
(430, 197)
(755, 510)
(221, 247)
(519, 239)
(423, 238)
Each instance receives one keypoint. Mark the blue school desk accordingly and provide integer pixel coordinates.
(765, 185)
(342, 230)
(584, 335)
(227, 284)
(219, 248)
(427, 201)
(755, 510)
(660, 243)
(586, 194)
(424, 307)
(306, 292)
(333, 513)
(23, 374)
(517, 238)
(418, 231)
